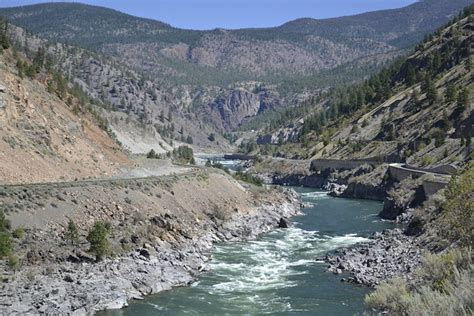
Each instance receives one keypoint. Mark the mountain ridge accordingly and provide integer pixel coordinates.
(253, 52)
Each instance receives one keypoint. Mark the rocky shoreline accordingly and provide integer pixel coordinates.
(80, 288)
(388, 254)
(154, 252)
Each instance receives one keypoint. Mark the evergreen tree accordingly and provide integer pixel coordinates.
(4, 40)
(97, 238)
(410, 78)
(429, 88)
(72, 234)
(463, 99)
(450, 93)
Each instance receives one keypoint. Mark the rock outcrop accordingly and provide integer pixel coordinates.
(387, 255)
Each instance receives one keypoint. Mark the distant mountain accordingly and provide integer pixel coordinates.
(299, 48)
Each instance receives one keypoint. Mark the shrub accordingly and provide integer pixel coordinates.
(13, 262)
(4, 222)
(18, 233)
(72, 234)
(97, 237)
(438, 270)
(426, 160)
(248, 178)
(457, 217)
(5, 244)
(184, 154)
(218, 165)
(151, 154)
(391, 295)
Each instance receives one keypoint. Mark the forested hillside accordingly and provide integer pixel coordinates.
(419, 109)
(159, 86)
(301, 47)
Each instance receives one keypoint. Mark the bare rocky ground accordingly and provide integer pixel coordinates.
(388, 254)
(42, 139)
(162, 231)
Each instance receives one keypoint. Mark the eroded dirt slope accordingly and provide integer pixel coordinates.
(42, 140)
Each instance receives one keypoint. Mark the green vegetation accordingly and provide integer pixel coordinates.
(457, 217)
(72, 233)
(18, 233)
(239, 175)
(13, 262)
(443, 287)
(4, 40)
(442, 284)
(6, 244)
(98, 239)
(152, 154)
(184, 154)
(217, 165)
(306, 34)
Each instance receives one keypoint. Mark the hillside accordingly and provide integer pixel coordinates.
(142, 114)
(219, 56)
(418, 110)
(213, 81)
(46, 134)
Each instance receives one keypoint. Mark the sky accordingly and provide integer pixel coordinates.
(232, 14)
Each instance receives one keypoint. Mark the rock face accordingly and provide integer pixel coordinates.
(288, 134)
(284, 223)
(191, 68)
(387, 255)
(42, 139)
(364, 191)
(236, 106)
(81, 288)
(406, 194)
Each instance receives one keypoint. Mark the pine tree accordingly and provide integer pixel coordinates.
(463, 99)
(450, 93)
(72, 234)
(97, 237)
(410, 75)
(4, 40)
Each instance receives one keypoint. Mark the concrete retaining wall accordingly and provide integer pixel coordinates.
(399, 173)
(322, 164)
(432, 187)
(444, 169)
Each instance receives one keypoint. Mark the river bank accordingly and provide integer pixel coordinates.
(276, 273)
(403, 191)
(161, 236)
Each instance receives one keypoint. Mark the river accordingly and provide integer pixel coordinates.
(278, 274)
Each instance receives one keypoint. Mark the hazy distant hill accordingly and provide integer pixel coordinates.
(301, 47)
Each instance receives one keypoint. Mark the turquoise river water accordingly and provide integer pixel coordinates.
(278, 274)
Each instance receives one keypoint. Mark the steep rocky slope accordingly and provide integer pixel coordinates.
(41, 139)
(142, 113)
(418, 110)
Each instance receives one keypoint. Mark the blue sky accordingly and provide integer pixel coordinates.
(231, 14)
